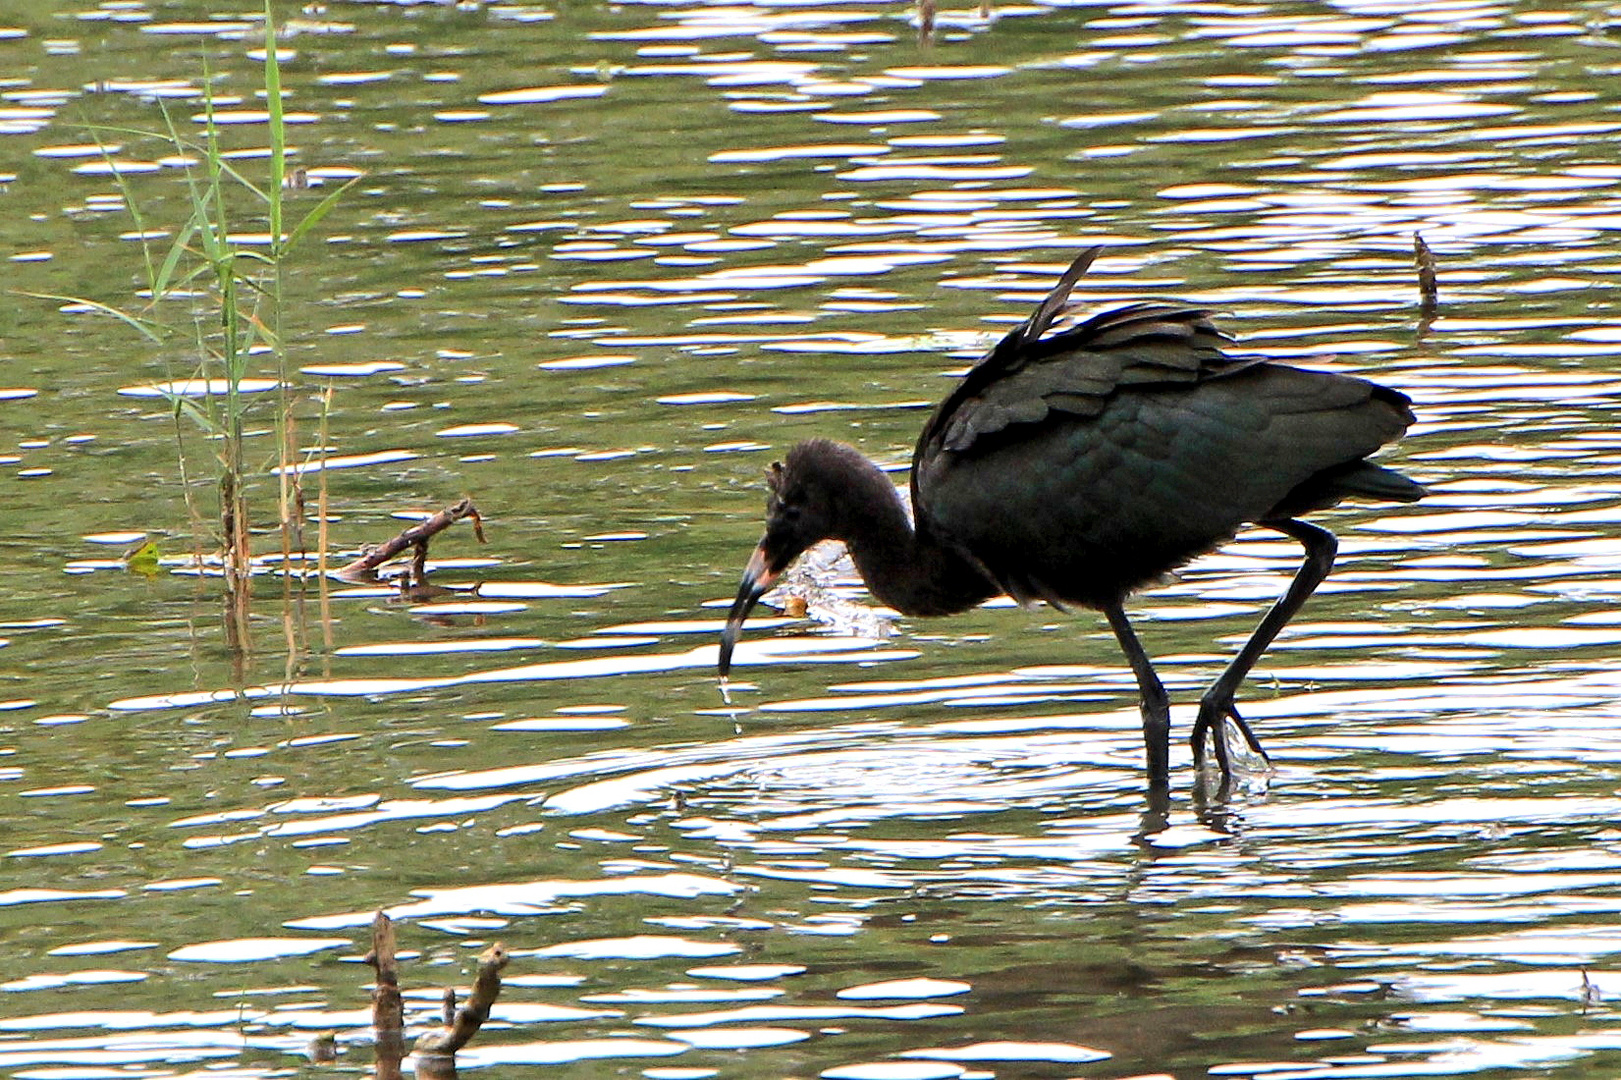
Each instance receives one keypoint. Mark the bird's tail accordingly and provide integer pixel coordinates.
(1369, 481)
(1358, 479)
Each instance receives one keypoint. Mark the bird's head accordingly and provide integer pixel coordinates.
(803, 508)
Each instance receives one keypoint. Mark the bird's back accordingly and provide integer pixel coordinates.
(1080, 466)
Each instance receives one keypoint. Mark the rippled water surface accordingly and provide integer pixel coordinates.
(601, 264)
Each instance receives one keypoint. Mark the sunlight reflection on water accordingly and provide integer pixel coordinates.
(630, 280)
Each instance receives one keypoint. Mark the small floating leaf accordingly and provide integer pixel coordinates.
(143, 559)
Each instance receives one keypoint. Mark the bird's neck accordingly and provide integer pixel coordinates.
(905, 567)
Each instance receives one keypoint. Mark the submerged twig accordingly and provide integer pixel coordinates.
(436, 1050)
(463, 1023)
(323, 1048)
(387, 1008)
(417, 537)
(1427, 295)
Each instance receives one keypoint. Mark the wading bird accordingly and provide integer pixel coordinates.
(1080, 466)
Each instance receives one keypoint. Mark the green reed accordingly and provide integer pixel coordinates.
(235, 290)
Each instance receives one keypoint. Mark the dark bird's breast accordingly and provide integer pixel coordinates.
(1084, 509)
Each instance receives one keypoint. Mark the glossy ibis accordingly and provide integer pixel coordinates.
(1081, 465)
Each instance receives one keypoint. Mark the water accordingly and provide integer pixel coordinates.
(602, 264)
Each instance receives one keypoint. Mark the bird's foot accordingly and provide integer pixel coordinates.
(1214, 717)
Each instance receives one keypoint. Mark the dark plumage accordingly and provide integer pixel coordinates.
(1081, 466)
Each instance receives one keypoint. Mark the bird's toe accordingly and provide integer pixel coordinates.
(1215, 715)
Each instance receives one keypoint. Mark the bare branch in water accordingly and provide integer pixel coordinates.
(1427, 298)
(387, 1009)
(435, 1051)
(464, 1024)
(417, 537)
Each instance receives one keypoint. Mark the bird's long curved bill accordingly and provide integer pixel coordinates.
(757, 578)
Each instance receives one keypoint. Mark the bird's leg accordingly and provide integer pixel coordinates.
(1156, 705)
(1216, 707)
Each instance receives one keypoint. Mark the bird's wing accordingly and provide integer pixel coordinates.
(1029, 374)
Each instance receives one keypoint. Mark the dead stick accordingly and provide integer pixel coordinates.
(419, 563)
(387, 1010)
(417, 535)
(1427, 298)
(471, 1016)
